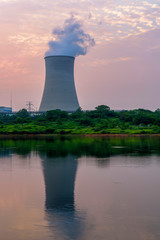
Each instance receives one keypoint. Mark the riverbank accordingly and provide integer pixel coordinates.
(101, 121)
(42, 136)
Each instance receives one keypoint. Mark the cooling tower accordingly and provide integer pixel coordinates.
(59, 91)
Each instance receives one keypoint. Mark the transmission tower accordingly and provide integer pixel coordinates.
(30, 106)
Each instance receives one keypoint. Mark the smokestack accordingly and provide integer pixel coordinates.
(59, 91)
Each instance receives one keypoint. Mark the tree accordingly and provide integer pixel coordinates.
(102, 111)
(53, 115)
(77, 114)
(22, 114)
(102, 108)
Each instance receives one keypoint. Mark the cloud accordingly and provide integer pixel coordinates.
(120, 19)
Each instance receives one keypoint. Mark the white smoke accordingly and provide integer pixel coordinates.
(71, 40)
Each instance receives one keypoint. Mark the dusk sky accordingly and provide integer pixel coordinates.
(121, 70)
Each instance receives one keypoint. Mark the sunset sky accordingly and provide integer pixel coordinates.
(122, 70)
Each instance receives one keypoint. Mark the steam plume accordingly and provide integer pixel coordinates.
(71, 40)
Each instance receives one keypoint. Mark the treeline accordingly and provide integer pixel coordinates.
(102, 120)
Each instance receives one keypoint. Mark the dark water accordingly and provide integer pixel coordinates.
(80, 188)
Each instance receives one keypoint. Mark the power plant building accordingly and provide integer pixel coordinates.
(5, 109)
(59, 91)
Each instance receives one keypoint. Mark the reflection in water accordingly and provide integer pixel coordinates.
(59, 176)
(95, 147)
(95, 188)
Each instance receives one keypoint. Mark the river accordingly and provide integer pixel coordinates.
(66, 188)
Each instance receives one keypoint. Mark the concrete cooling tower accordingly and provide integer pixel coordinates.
(59, 91)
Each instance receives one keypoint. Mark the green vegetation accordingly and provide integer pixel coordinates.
(102, 120)
(78, 146)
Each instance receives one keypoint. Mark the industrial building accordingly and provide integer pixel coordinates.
(5, 109)
(59, 91)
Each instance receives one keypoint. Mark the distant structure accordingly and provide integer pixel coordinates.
(5, 109)
(30, 106)
(59, 91)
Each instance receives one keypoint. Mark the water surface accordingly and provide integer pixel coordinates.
(80, 188)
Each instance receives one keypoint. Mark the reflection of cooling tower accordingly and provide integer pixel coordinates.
(59, 91)
(59, 176)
